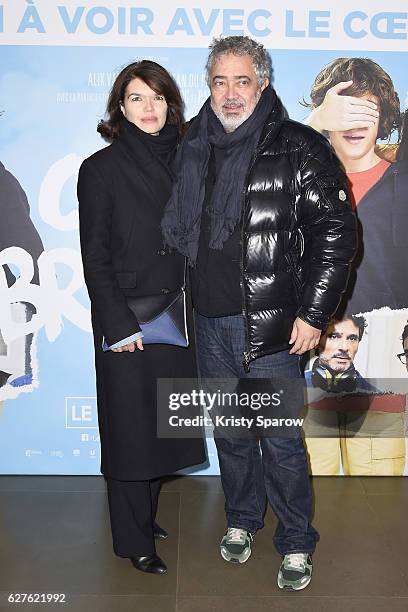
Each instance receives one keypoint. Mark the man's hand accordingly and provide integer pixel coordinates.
(338, 113)
(304, 337)
(131, 347)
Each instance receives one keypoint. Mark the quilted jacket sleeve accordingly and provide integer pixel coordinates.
(95, 220)
(329, 227)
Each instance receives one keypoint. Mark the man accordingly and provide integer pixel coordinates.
(403, 357)
(361, 426)
(260, 208)
(354, 100)
(334, 369)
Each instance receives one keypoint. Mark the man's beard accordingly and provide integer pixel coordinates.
(326, 363)
(231, 122)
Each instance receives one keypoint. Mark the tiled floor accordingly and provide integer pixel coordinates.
(55, 538)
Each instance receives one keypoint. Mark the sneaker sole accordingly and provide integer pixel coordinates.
(236, 560)
(288, 587)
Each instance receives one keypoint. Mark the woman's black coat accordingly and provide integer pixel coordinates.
(122, 191)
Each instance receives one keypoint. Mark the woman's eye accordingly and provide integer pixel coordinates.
(161, 98)
(135, 99)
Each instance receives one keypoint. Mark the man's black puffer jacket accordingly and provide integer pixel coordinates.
(298, 234)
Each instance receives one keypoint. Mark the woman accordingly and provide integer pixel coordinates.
(122, 191)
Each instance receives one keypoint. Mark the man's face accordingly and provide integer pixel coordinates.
(405, 346)
(356, 143)
(235, 89)
(339, 345)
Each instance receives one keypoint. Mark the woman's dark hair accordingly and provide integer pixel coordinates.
(158, 79)
(368, 78)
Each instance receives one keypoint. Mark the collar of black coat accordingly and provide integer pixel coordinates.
(160, 146)
(152, 156)
(272, 124)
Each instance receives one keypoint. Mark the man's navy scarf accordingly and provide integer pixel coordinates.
(182, 217)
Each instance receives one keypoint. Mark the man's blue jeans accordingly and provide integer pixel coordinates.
(249, 477)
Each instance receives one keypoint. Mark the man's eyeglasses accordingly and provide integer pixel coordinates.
(403, 357)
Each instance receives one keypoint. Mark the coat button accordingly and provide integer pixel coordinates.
(161, 252)
(165, 290)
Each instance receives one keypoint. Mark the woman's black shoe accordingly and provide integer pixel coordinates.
(159, 533)
(151, 564)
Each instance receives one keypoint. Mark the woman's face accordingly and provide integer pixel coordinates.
(144, 107)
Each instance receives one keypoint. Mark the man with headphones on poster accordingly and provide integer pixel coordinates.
(334, 369)
(260, 208)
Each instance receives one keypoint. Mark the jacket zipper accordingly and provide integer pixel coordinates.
(245, 361)
(247, 353)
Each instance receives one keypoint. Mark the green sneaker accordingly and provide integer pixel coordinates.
(236, 545)
(295, 571)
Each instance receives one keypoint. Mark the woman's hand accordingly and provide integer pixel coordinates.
(131, 347)
(339, 113)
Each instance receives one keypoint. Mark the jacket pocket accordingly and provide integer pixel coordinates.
(126, 280)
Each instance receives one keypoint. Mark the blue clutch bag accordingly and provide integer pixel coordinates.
(162, 318)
